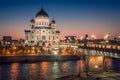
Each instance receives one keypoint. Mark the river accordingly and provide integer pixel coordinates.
(53, 70)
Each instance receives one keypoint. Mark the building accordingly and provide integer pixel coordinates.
(42, 30)
(70, 39)
(7, 41)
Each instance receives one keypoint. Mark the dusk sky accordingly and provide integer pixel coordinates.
(73, 17)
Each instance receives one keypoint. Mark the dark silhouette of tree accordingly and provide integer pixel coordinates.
(86, 36)
(85, 39)
(115, 38)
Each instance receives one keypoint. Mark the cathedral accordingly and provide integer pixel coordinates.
(42, 30)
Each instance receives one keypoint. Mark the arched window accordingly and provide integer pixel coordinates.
(43, 30)
(49, 37)
(37, 37)
(53, 37)
(32, 37)
(27, 37)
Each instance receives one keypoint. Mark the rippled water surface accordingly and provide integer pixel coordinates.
(53, 70)
(37, 71)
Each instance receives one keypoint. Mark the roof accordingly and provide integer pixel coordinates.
(42, 28)
(27, 30)
(53, 21)
(42, 13)
(70, 36)
(32, 20)
(57, 31)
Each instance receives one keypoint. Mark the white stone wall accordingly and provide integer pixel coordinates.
(42, 21)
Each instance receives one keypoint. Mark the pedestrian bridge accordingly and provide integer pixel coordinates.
(104, 51)
(65, 45)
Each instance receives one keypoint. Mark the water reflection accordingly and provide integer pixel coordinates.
(64, 66)
(33, 70)
(108, 64)
(56, 68)
(81, 65)
(44, 70)
(96, 63)
(53, 70)
(14, 71)
(33, 66)
(0, 72)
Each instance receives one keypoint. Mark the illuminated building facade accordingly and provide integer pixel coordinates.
(7, 41)
(42, 30)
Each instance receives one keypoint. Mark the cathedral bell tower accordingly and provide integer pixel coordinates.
(32, 23)
(53, 24)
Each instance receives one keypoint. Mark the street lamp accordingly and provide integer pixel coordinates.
(119, 37)
(79, 64)
(55, 52)
(107, 36)
(96, 66)
(93, 36)
(81, 37)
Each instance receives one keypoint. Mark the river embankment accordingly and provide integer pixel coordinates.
(37, 58)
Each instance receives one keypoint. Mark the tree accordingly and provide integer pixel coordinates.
(86, 36)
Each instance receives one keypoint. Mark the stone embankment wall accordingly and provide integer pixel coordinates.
(8, 59)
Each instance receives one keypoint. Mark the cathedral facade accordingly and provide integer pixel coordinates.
(42, 30)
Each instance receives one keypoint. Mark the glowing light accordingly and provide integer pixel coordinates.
(108, 46)
(96, 66)
(14, 52)
(33, 47)
(118, 47)
(93, 37)
(28, 51)
(32, 51)
(33, 66)
(106, 36)
(14, 70)
(108, 63)
(3, 50)
(118, 36)
(38, 51)
(81, 65)
(95, 63)
(44, 67)
(8, 52)
(44, 48)
(81, 37)
(14, 47)
(55, 52)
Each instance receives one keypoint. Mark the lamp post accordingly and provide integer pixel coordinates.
(79, 71)
(87, 64)
(59, 52)
(86, 60)
(93, 37)
(118, 37)
(106, 37)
